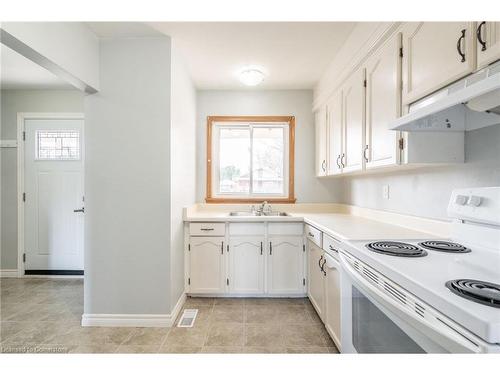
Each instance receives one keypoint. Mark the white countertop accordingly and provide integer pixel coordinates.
(338, 222)
(348, 227)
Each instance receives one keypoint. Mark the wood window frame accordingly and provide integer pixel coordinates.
(291, 158)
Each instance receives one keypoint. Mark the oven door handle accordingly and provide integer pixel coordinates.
(441, 328)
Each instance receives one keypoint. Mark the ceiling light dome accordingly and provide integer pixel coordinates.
(251, 76)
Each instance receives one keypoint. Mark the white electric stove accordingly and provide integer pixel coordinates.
(440, 295)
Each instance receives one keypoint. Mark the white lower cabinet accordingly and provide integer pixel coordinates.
(285, 265)
(316, 284)
(253, 259)
(246, 265)
(206, 260)
(332, 299)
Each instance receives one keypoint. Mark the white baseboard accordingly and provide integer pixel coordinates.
(134, 320)
(255, 295)
(177, 308)
(8, 273)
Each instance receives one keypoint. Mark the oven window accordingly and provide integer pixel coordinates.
(374, 332)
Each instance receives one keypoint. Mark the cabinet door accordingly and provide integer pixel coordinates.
(354, 122)
(321, 141)
(285, 265)
(332, 299)
(206, 262)
(434, 55)
(383, 104)
(335, 134)
(488, 43)
(315, 278)
(246, 265)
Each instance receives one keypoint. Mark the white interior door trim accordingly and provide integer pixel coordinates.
(21, 118)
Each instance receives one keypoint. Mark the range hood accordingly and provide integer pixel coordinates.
(471, 103)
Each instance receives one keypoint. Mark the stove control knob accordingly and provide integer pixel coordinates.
(474, 201)
(461, 200)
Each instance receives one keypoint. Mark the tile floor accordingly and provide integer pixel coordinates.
(43, 315)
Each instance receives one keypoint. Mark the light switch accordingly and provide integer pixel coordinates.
(461, 200)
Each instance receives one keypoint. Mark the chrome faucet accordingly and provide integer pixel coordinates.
(262, 208)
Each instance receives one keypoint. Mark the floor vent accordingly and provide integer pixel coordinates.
(187, 319)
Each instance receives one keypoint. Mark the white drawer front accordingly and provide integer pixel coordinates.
(247, 229)
(313, 234)
(282, 229)
(207, 229)
(331, 245)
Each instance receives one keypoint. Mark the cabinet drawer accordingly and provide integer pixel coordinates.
(279, 229)
(207, 229)
(331, 245)
(313, 235)
(246, 229)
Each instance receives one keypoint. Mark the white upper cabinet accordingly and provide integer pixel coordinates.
(383, 104)
(488, 42)
(246, 265)
(206, 265)
(434, 55)
(335, 134)
(285, 265)
(354, 118)
(320, 125)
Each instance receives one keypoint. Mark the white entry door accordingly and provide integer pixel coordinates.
(53, 179)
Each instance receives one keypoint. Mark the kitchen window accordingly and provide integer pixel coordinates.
(250, 159)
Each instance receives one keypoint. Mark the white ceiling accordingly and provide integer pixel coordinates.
(292, 54)
(18, 72)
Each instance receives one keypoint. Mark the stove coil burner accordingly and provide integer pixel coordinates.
(478, 291)
(398, 249)
(448, 247)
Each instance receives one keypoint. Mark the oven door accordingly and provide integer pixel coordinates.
(373, 322)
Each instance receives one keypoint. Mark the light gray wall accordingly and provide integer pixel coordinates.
(426, 191)
(296, 103)
(12, 102)
(183, 165)
(127, 180)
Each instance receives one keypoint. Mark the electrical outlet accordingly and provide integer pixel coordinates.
(385, 191)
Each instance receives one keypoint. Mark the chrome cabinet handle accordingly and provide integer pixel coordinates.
(80, 210)
(364, 153)
(222, 247)
(337, 161)
(342, 158)
(332, 248)
(310, 234)
(261, 248)
(479, 35)
(459, 45)
(207, 229)
(323, 165)
(270, 248)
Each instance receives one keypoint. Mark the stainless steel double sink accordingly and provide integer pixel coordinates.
(257, 213)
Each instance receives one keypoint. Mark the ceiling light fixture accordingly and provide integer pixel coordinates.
(251, 76)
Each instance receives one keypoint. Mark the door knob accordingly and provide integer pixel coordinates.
(80, 210)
